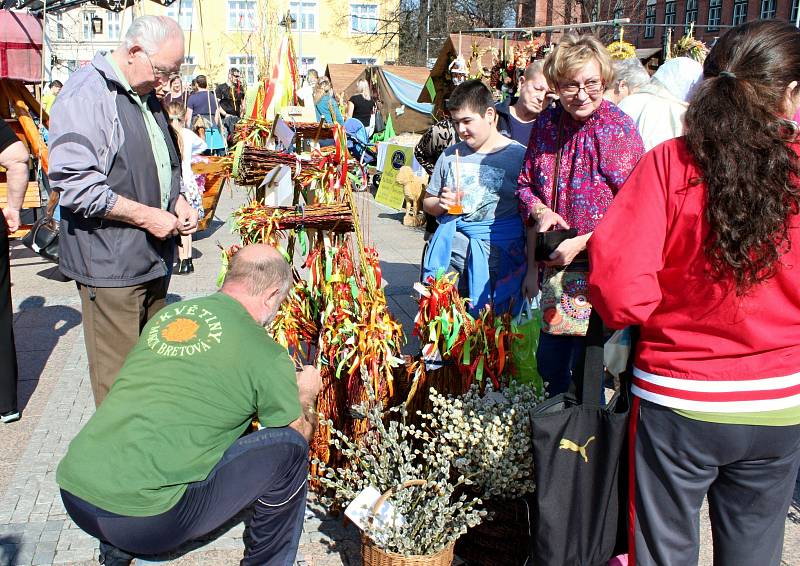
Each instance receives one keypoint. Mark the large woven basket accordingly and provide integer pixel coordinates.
(503, 540)
(371, 555)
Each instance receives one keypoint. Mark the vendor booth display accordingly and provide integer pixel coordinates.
(395, 432)
(480, 55)
(396, 91)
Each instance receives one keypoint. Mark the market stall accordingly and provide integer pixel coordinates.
(480, 56)
(21, 64)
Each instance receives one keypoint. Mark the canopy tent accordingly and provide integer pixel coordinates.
(397, 95)
(342, 74)
(20, 47)
(478, 52)
(407, 72)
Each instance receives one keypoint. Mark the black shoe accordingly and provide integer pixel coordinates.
(189, 266)
(182, 268)
(113, 556)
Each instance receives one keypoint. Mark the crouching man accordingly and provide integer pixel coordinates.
(163, 460)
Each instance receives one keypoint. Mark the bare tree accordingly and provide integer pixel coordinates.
(422, 26)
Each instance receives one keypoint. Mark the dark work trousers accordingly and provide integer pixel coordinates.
(8, 353)
(267, 469)
(748, 473)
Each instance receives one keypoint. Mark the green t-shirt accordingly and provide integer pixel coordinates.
(188, 390)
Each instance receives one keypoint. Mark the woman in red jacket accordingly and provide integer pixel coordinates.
(701, 248)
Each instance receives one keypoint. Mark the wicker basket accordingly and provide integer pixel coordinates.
(503, 540)
(371, 555)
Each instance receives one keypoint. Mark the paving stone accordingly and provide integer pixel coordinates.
(83, 541)
(72, 556)
(48, 536)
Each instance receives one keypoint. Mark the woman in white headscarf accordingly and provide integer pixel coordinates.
(658, 107)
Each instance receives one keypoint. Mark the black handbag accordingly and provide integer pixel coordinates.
(578, 445)
(43, 237)
(547, 242)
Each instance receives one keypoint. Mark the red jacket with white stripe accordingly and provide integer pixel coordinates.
(702, 348)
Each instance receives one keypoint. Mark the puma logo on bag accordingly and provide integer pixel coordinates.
(569, 445)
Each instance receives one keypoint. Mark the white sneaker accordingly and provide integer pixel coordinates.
(9, 417)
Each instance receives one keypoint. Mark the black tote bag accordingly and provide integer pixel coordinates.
(579, 508)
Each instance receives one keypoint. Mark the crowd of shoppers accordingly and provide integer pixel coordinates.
(673, 222)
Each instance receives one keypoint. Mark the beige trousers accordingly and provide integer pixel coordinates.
(113, 318)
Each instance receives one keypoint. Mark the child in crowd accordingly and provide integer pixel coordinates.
(485, 241)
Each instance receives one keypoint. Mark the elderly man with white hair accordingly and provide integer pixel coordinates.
(629, 76)
(117, 170)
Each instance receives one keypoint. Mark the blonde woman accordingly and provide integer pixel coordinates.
(190, 146)
(579, 154)
(324, 101)
(361, 106)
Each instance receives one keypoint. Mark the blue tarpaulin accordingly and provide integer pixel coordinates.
(407, 92)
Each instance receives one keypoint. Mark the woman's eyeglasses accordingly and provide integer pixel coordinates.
(591, 88)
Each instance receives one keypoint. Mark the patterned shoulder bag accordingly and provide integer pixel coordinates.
(565, 303)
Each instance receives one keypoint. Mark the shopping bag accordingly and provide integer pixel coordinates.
(580, 481)
(526, 327)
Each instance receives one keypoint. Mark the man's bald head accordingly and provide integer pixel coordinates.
(256, 269)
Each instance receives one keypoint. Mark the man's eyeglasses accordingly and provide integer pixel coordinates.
(157, 71)
(591, 88)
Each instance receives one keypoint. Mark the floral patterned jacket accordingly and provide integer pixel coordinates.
(596, 158)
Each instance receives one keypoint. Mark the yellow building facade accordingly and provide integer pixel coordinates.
(221, 34)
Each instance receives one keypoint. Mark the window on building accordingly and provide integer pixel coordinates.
(304, 14)
(364, 18)
(307, 63)
(793, 14)
(767, 9)
(364, 60)
(241, 14)
(246, 65)
(182, 12)
(188, 60)
(114, 25)
(59, 19)
(669, 12)
(650, 20)
(714, 14)
(87, 25)
(691, 14)
(739, 12)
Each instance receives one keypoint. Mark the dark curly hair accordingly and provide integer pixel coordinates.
(737, 133)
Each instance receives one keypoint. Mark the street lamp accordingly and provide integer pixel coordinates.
(97, 25)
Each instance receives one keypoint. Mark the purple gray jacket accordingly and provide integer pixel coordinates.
(99, 150)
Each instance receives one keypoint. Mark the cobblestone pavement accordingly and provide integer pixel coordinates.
(56, 400)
